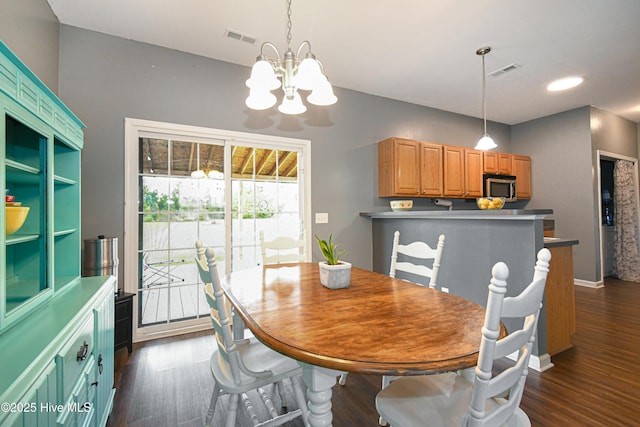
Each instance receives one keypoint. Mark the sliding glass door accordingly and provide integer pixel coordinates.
(196, 184)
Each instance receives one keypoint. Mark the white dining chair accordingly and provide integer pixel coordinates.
(415, 258)
(283, 249)
(241, 366)
(239, 330)
(492, 396)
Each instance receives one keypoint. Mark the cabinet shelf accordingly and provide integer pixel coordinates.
(20, 173)
(59, 180)
(66, 232)
(22, 238)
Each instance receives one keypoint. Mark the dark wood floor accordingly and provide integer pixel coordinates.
(596, 383)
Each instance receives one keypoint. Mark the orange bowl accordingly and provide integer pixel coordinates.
(15, 217)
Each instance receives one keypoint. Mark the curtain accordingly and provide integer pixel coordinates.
(626, 260)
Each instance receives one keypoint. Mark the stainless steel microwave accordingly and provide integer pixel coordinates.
(500, 186)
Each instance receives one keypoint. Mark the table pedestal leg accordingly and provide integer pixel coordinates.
(319, 382)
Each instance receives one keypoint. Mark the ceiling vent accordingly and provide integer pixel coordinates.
(504, 70)
(236, 35)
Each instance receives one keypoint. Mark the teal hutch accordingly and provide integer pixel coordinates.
(56, 327)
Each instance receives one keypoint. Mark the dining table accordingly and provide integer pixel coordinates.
(377, 325)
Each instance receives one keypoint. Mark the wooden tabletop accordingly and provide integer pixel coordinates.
(378, 325)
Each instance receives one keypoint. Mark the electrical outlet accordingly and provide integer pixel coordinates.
(322, 218)
(445, 290)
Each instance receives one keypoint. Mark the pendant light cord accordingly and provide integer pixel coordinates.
(484, 95)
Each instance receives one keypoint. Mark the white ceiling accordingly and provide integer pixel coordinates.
(418, 51)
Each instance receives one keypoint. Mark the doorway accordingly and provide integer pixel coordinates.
(607, 210)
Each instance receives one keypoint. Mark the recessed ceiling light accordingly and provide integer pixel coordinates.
(564, 83)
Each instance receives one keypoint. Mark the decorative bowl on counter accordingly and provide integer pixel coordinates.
(15, 217)
(490, 203)
(401, 205)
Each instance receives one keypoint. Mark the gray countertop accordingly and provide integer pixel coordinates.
(550, 242)
(462, 214)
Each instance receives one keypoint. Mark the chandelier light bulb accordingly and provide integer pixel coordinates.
(309, 75)
(260, 99)
(292, 106)
(263, 77)
(323, 94)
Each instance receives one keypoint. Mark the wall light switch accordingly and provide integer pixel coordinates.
(322, 218)
(445, 290)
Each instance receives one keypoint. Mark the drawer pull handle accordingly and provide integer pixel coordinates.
(100, 366)
(95, 383)
(82, 353)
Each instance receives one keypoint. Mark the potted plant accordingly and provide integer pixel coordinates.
(334, 273)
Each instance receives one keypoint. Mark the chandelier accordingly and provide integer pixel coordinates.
(486, 142)
(296, 74)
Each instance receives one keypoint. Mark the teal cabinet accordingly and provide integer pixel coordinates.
(40, 146)
(56, 328)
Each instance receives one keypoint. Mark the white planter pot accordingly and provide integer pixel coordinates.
(335, 276)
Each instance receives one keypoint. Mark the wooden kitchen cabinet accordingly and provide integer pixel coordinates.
(431, 174)
(409, 168)
(496, 163)
(521, 168)
(462, 172)
(473, 173)
(398, 167)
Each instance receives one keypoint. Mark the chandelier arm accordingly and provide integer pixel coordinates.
(302, 45)
(272, 46)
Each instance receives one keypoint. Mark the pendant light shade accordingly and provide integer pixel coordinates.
(296, 74)
(486, 142)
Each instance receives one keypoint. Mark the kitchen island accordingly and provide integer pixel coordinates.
(475, 241)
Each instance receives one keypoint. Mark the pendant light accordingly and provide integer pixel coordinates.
(486, 142)
(296, 73)
(198, 173)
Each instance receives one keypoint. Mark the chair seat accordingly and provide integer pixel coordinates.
(440, 400)
(256, 357)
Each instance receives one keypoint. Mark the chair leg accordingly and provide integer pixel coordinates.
(343, 379)
(299, 392)
(212, 404)
(233, 410)
(283, 397)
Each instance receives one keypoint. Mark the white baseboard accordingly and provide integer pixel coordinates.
(537, 363)
(588, 284)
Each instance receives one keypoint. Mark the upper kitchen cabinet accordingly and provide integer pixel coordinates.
(409, 168)
(40, 149)
(521, 168)
(398, 168)
(462, 172)
(496, 163)
(431, 170)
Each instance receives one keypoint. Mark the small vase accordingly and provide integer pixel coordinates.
(335, 276)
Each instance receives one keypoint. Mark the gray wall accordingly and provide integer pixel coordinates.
(563, 156)
(30, 29)
(104, 79)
